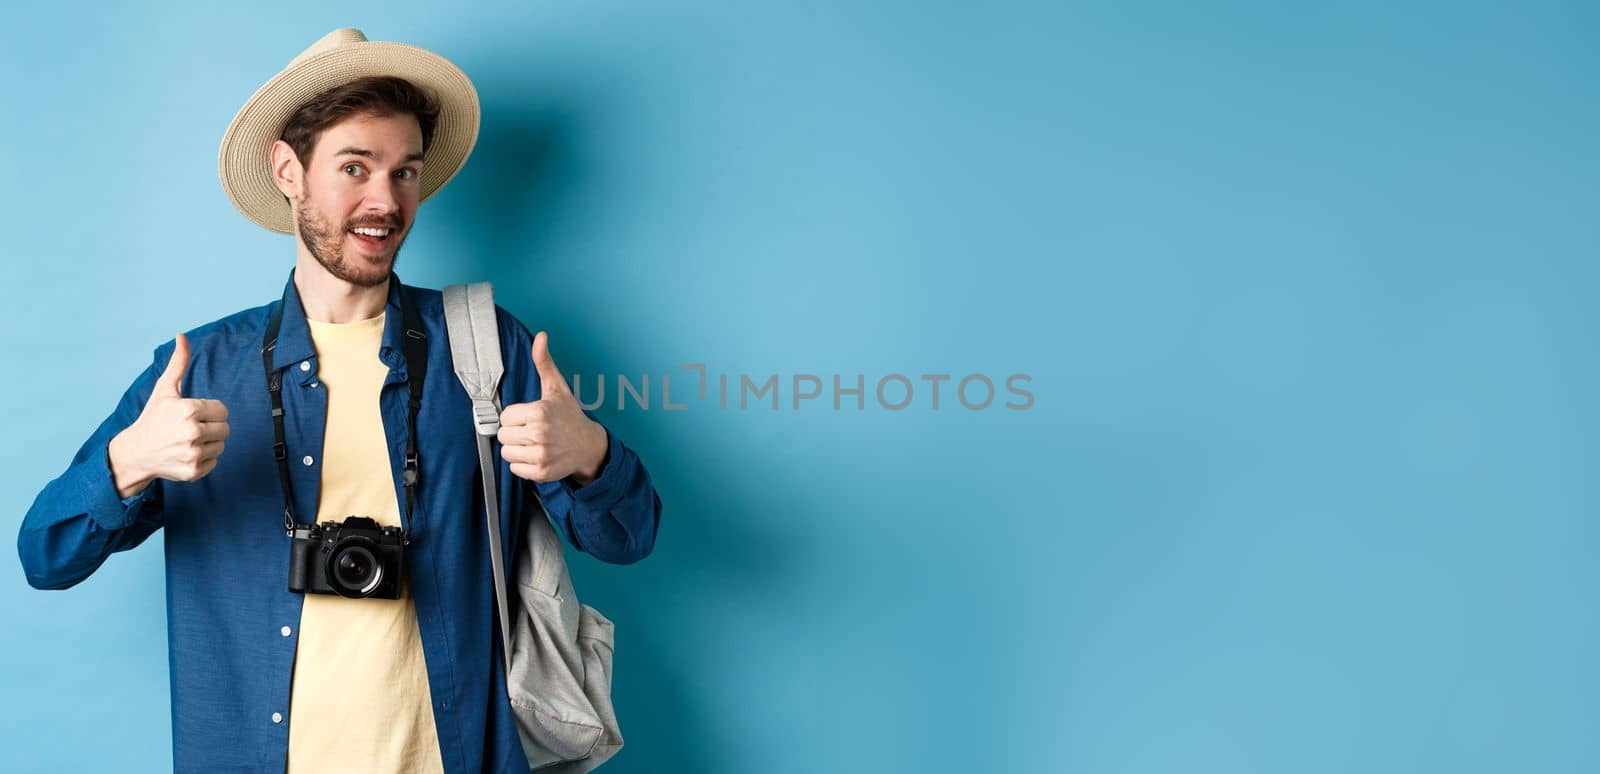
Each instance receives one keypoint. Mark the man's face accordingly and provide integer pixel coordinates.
(364, 173)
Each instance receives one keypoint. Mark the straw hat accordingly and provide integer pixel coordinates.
(341, 56)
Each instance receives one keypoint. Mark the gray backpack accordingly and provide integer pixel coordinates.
(558, 670)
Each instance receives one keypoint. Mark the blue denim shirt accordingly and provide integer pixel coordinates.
(228, 601)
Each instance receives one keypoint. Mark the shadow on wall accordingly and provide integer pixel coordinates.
(530, 174)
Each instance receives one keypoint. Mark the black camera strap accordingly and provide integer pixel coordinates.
(415, 345)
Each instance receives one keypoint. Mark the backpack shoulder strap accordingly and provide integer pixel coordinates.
(474, 334)
(469, 314)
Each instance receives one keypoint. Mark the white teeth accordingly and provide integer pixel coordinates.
(372, 232)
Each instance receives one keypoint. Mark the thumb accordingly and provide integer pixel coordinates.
(550, 378)
(171, 379)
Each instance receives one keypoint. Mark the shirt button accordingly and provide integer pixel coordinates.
(284, 631)
(306, 459)
(277, 717)
(305, 365)
(313, 382)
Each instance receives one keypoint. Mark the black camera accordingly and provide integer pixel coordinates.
(355, 558)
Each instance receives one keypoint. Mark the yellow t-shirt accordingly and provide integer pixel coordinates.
(359, 700)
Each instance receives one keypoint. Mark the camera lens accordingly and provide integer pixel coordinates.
(354, 570)
(353, 566)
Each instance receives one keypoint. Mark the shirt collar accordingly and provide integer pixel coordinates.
(294, 335)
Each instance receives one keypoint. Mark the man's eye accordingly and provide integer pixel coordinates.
(407, 173)
(349, 167)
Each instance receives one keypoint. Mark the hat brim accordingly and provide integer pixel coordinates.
(243, 161)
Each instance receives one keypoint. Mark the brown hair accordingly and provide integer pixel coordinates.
(380, 95)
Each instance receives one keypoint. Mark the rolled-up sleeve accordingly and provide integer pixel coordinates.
(78, 520)
(616, 516)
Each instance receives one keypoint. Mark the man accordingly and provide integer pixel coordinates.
(338, 149)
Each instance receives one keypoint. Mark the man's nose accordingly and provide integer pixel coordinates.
(382, 200)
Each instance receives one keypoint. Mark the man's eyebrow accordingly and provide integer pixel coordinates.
(354, 151)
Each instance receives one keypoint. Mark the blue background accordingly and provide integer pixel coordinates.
(1307, 293)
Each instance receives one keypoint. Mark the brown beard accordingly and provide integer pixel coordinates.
(327, 246)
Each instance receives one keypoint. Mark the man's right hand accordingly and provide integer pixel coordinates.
(175, 438)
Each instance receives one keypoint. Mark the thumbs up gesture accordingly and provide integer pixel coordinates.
(175, 438)
(551, 438)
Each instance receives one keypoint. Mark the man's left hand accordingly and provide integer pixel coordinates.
(551, 438)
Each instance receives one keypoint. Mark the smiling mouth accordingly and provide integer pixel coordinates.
(373, 243)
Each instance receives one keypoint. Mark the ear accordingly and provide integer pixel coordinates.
(287, 173)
